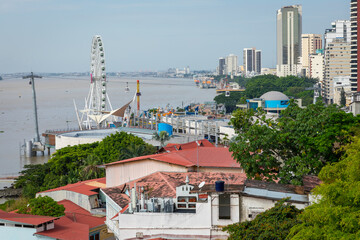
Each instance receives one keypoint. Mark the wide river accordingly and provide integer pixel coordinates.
(56, 109)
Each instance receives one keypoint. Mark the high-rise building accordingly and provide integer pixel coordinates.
(355, 35)
(339, 29)
(221, 67)
(252, 61)
(309, 44)
(289, 29)
(231, 62)
(337, 63)
(258, 61)
(317, 67)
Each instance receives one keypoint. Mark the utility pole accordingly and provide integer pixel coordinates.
(32, 82)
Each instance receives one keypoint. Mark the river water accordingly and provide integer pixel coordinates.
(56, 109)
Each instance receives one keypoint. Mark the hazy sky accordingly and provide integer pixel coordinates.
(139, 35)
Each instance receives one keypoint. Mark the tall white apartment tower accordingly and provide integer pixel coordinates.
(289, 29)
(339, 29)
(231, 63)
(252, 61)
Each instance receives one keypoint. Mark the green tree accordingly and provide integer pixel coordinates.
(337, 212)
(274, 223)
(298, 143)
(76, 163)
(90, 169)
(230, 101)
(43, 206)
(133, 150)
(162, 137)
(342, 97)
(111, 147)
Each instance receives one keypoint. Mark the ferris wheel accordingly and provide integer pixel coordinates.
(97, 103)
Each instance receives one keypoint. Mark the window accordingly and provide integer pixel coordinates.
(95, 236)
(224, 206)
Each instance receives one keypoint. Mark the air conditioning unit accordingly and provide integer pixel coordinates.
(139, 235)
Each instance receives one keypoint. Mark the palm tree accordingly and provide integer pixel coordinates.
(90, 170)
(133, 150)
(162, 137)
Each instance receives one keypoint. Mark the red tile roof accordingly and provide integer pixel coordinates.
(81, 215)
(84, 187)
(76, 223)
(190, 145)
(163, 184)
(25, 218)
(204, 156)
(65, 229)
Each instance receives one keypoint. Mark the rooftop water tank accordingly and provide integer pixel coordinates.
(165, 127)
(219, 186)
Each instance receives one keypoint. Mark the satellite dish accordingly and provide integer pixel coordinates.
(201, 184)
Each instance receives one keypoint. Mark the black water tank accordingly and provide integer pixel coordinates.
(219, 186)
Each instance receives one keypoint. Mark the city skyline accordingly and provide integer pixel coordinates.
(44, 36)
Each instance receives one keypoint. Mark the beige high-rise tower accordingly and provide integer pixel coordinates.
(309, 44)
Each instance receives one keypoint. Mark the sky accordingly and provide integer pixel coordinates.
(146, 35)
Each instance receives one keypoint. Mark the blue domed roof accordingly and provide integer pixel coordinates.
(274, 95)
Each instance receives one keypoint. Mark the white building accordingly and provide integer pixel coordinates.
(339, 29)
(341, 83)
(231, 63)
(176, 206)
(317, 66)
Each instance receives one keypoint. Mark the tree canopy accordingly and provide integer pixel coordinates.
(79, 163)
(336, 214)
(255, 87)
(274, 223)
(43, 206)
(300, 142)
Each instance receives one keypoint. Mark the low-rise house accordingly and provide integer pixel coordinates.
(194, 205)
(76, 224)
(24, 226)
(198, 159)
(84, 194)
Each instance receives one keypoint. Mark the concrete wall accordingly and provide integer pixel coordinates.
(77, 198)
(64, 141)
(111, 210)
(234, 210)
(252, 204)
(198, 223)
(19, 233)
(121, 173)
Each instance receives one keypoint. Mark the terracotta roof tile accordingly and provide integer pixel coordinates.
(25, 218)
(84, 187)
(190, 145)
(204, 156)
(80, 215)
(65, 229)
(163, 184)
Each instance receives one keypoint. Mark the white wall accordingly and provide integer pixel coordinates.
(64, 141)
(198, 223)
(8, 233)
(234, 210)
(121, 173)
(77, 198)
(259, 204)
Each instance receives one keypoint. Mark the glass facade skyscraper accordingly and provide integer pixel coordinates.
(289, 30)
